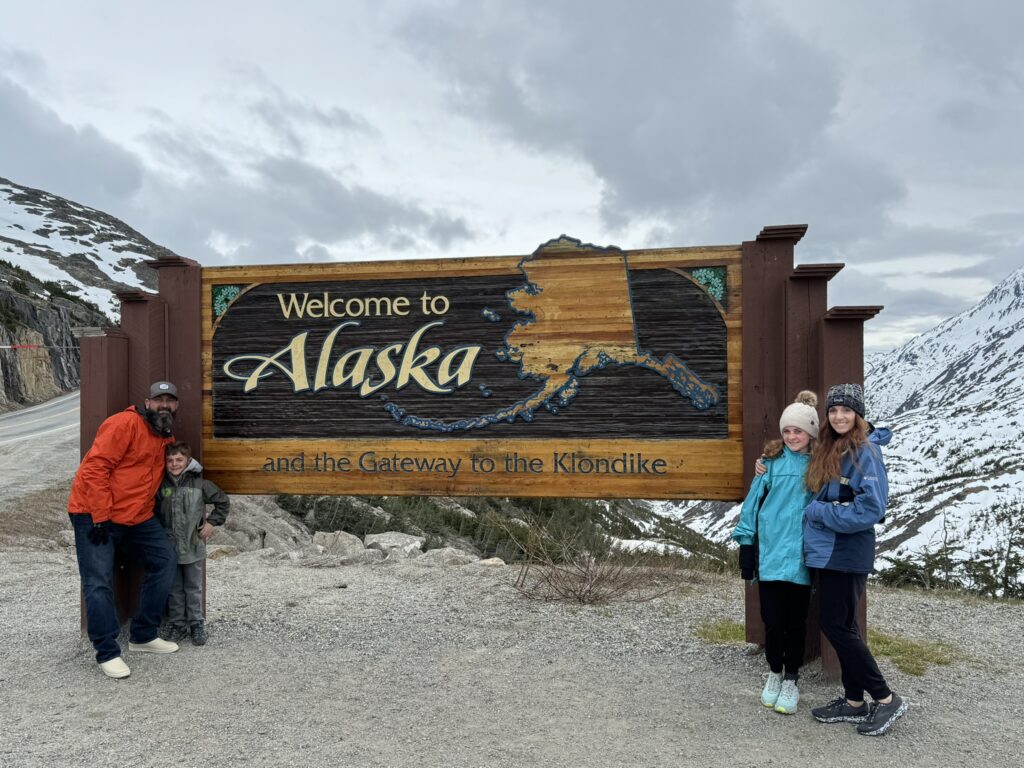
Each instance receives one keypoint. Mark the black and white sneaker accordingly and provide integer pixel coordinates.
(840, 711)
(175, 633)
(198, 632)
(882, 716)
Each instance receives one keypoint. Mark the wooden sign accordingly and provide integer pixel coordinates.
(576, 371)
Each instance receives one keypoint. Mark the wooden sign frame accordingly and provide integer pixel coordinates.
(781, 338)
(484, 462)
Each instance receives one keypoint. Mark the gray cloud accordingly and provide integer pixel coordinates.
(715, 119)
(40, 150)
(288, 118)
(906, 308)
(272, 207)
(22, 64)
(674, 105)
(283, 204)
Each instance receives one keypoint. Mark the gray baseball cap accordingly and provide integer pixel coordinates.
(160, 388)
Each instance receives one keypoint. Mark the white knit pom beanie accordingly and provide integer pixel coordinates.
(802, 413)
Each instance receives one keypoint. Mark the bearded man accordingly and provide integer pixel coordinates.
(111, 510)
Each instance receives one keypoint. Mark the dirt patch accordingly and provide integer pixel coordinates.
(37, 519)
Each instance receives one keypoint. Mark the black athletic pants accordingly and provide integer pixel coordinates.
(784, 613)
(840, 594)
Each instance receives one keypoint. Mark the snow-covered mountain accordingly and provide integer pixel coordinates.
(954, 398)
(60, 264)
(88, 253)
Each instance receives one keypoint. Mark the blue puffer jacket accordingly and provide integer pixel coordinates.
(779, 534)
(840, 534)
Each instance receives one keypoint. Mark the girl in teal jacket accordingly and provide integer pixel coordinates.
(771, 529)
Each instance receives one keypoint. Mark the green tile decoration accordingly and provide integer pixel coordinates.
(223, 295)
(713, 280)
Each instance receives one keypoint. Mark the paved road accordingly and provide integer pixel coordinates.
(57, 417)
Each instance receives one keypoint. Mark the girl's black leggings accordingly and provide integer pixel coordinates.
(840, 593)
(784, 613)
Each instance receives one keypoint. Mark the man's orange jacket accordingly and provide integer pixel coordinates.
(119, 476)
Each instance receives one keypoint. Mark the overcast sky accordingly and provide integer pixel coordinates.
(240, 132)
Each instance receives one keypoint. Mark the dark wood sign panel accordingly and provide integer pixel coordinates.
(576, 371)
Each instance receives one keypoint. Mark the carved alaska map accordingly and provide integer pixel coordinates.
(566, 333)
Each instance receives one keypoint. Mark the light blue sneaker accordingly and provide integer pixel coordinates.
(772, 688)
(788, 698)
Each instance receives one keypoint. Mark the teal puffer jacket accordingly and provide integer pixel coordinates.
(780, 520)
(181, 506)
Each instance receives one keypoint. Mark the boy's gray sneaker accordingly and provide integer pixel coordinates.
(176, 634)
(882, 716)
(198, 634)
(839, 711)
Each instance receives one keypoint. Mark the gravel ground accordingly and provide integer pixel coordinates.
(407, 665)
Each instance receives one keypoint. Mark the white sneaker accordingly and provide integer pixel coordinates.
(772, 688)
(789, 697)
(156, 645)
(115, 667)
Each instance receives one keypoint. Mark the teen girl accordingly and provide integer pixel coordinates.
(839, 542)
(771, 521)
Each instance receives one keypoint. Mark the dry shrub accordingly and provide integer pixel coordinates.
(579, 565)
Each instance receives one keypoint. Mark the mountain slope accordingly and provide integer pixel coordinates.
(954, 398)
(90, 254)
(60, 265)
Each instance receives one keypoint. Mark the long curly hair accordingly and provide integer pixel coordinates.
(826, 461)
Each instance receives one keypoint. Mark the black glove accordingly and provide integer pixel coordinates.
(99, 534)
(748, 561)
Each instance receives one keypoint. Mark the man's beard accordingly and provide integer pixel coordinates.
(160, 421)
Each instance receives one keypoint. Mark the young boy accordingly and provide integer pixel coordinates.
(181, 509)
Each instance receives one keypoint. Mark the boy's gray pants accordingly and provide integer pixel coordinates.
(185, 603)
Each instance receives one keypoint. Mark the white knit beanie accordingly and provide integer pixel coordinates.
(802, 413)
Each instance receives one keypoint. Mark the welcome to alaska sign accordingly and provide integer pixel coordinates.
(575, 371)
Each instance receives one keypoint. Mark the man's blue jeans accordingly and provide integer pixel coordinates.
(147, 543)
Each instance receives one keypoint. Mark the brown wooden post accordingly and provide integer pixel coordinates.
(143, 319)
(143, 322)
(767, 265)
(791, 342)
(104, 391)
(180, 284)
(104, 377)
(180, 289)
(806, 306)
(843, 344)
(842, 362)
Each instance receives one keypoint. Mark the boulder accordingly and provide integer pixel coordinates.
(339, 543)
(394, 544)
(257, 522)
(371, 556)
(490, 562)
(219, 551)
(453, 506)
(446, 556)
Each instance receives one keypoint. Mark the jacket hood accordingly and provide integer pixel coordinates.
(193, 466)
(880, 435)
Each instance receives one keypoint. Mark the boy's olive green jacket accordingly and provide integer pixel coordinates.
(181, 506)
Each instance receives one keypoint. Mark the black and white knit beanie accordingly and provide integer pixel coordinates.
(850, 395)
(802, 413)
